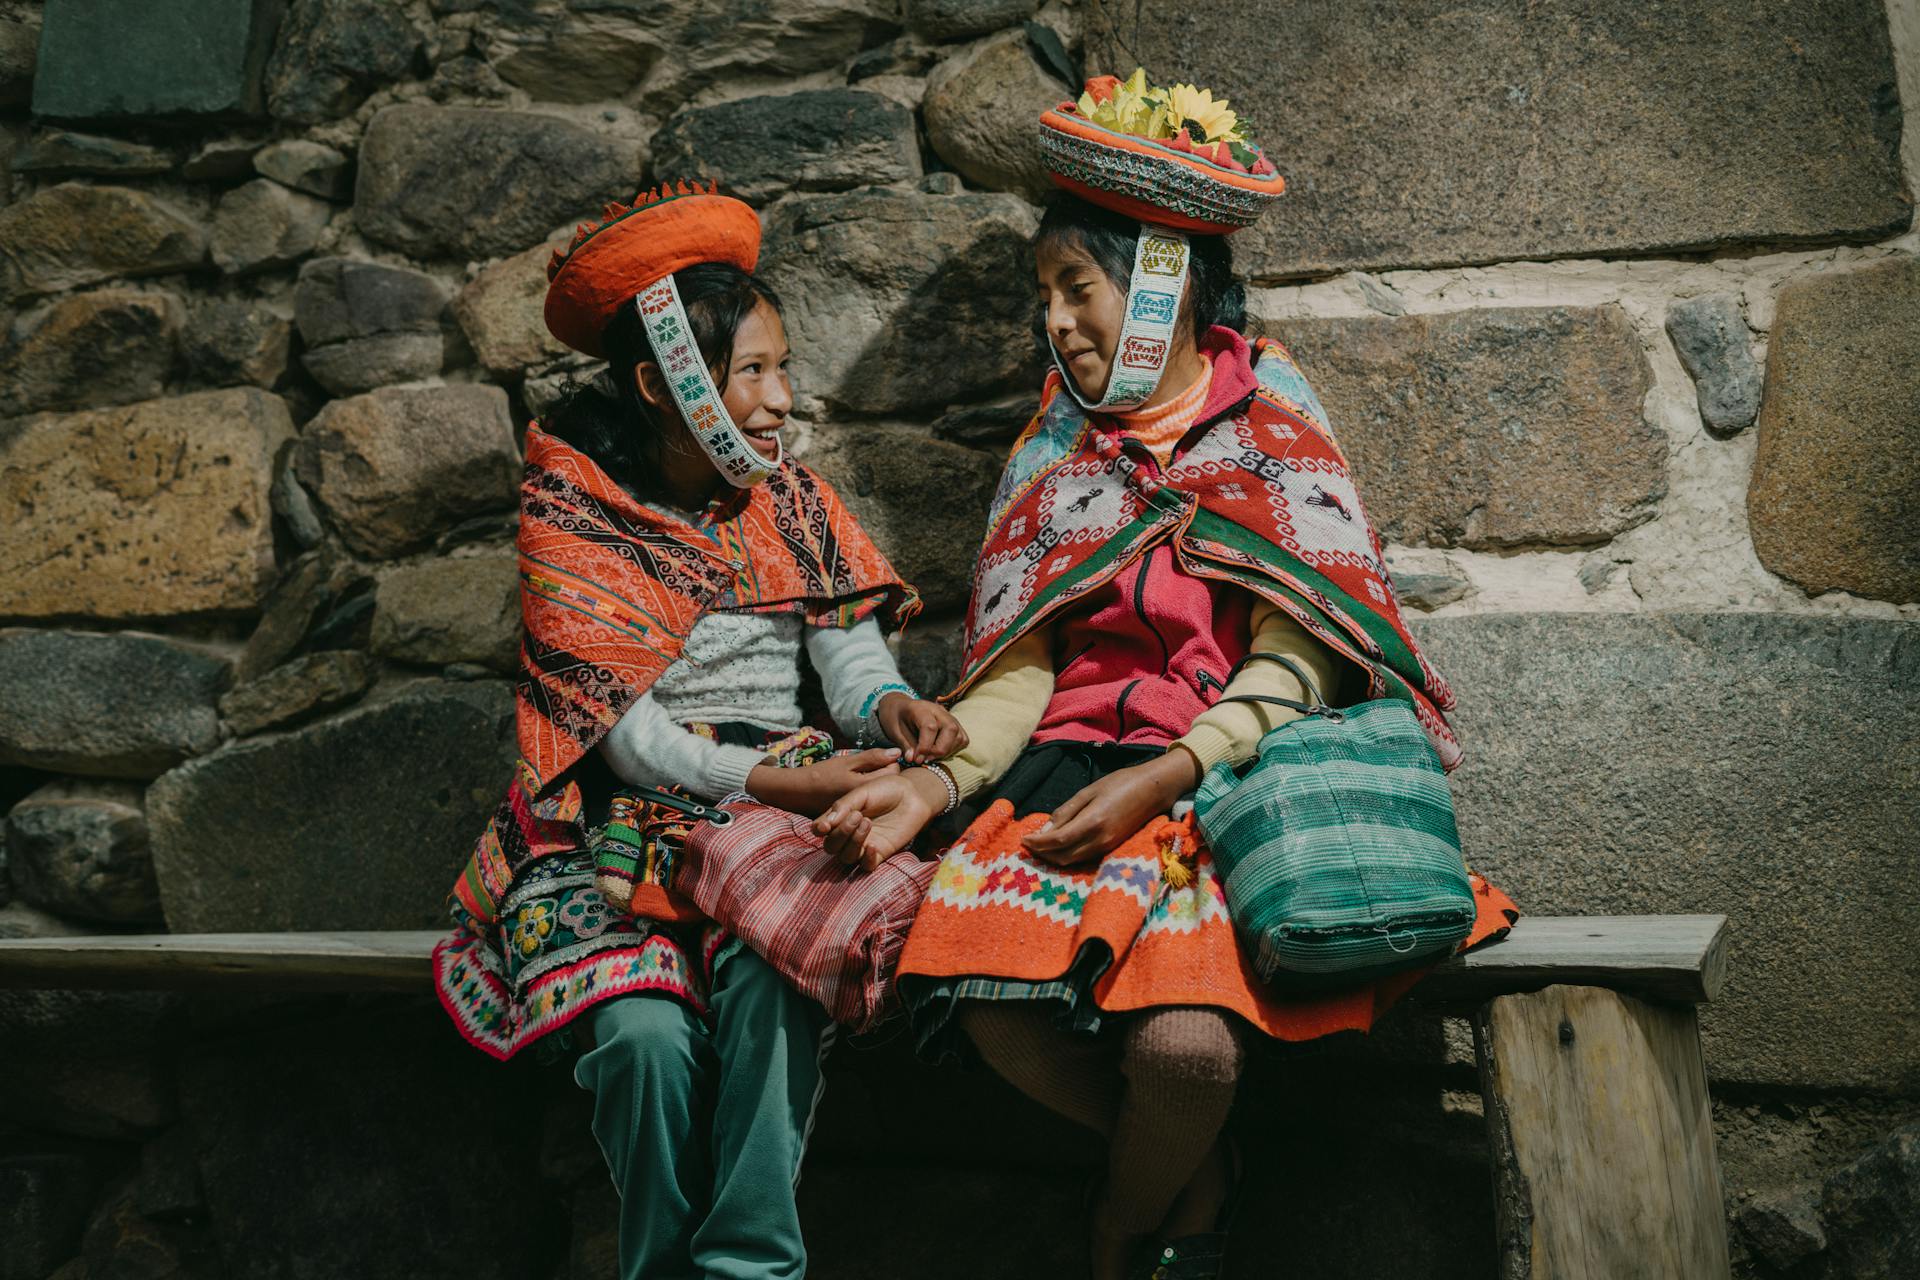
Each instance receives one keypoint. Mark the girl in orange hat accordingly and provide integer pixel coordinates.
(1176, 533)
(674, 565)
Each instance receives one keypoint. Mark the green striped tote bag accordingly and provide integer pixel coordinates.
(1338, 846)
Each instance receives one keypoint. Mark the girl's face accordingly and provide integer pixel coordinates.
(758, 397)
(1084, 313)
(758, 394)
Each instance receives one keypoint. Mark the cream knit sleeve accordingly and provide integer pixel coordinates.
(1231, 731)
(1001, 712)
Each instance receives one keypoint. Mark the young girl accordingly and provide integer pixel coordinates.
(1175, 527)
(674, 564)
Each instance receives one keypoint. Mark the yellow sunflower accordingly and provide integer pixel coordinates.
(1206, 120)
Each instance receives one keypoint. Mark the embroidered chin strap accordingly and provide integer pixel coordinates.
(1160, 261)
(692, 388)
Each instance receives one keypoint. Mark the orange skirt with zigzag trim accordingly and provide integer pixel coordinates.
(994, 912)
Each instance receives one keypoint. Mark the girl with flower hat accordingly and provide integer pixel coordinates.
(1176, 509)
(674, 564)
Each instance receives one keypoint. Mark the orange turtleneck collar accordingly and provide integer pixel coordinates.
(1161, 427)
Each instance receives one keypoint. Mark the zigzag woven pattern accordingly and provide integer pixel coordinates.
(1165, 183)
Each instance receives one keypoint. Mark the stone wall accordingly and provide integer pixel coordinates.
(1616, 308)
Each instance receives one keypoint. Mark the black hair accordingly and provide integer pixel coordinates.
(607, 418)
(1215, 295)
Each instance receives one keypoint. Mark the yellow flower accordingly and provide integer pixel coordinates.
(532, 925)
(1133, 108)
(1145, 111)
(1209, 121)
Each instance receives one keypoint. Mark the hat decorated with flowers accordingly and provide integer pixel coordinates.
(1176, 157)
(612, 261)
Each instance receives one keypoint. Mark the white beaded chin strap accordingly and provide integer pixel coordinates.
(1160, 262)
(692, 388)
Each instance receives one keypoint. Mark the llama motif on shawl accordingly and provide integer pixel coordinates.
(1263, 498)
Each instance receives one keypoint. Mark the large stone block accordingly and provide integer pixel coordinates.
(229, 342)
(331, 53)
(815, 140)
(471, 183)
(80, 849)
(1762, 766)
(55, 152)
(358, 822)
(154, 510)
(560, 63)
(897, 301)
(740, 42)
(384, 1186)
(73, 234)
(451, 609)
(502, 312)
(19, 47)
(87, 1063)
(313, 590)
(111, 346)
(263, 225)
(103, 59)
(366, 324)
(970, 98)
(394, 467)
(307, 166)
(1492, 428)
(1430, 132)
(109, 706)
(1835, 498)
(46, 1188)
(924, 501)
(957, 19)
(297, 691)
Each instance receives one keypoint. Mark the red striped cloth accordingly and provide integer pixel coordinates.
(834, 932)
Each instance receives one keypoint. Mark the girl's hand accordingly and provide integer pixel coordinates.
(810, 788)
(878, 819)
(924, 730)
(1102, 814)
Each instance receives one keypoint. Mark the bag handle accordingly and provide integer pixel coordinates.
(1316, 707)
(680, 804)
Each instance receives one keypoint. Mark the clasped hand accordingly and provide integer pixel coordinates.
(921, 729)
(882, 815)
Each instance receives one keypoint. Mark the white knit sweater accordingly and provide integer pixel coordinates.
(746, 666)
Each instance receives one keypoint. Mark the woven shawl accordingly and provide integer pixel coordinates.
(1263, 498)
(610, 589)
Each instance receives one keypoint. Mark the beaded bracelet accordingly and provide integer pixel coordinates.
(953, 788)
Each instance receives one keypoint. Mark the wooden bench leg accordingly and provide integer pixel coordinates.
(1602, 1137)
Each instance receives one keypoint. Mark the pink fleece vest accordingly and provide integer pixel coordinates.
(1141, 656)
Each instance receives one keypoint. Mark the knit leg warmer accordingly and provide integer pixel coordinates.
(1181, 1066)
(1161, 1104)
(1069, 1075)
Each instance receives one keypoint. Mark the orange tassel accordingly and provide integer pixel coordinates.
(1173, 870)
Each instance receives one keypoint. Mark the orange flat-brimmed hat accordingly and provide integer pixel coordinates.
(613, 260)
(1176, 157)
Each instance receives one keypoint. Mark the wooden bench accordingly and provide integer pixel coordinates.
(1584, 1027)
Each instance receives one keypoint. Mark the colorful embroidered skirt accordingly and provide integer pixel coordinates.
(557, 951)
(559, 947)
(1146, 927)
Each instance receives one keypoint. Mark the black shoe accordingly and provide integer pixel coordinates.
(1200, 1257)
(1204, 1256)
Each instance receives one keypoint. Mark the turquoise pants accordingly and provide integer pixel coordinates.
(704, 1124)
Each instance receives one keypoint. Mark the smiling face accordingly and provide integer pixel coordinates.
(1084, 312)
(759, 394)
(754, 389)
